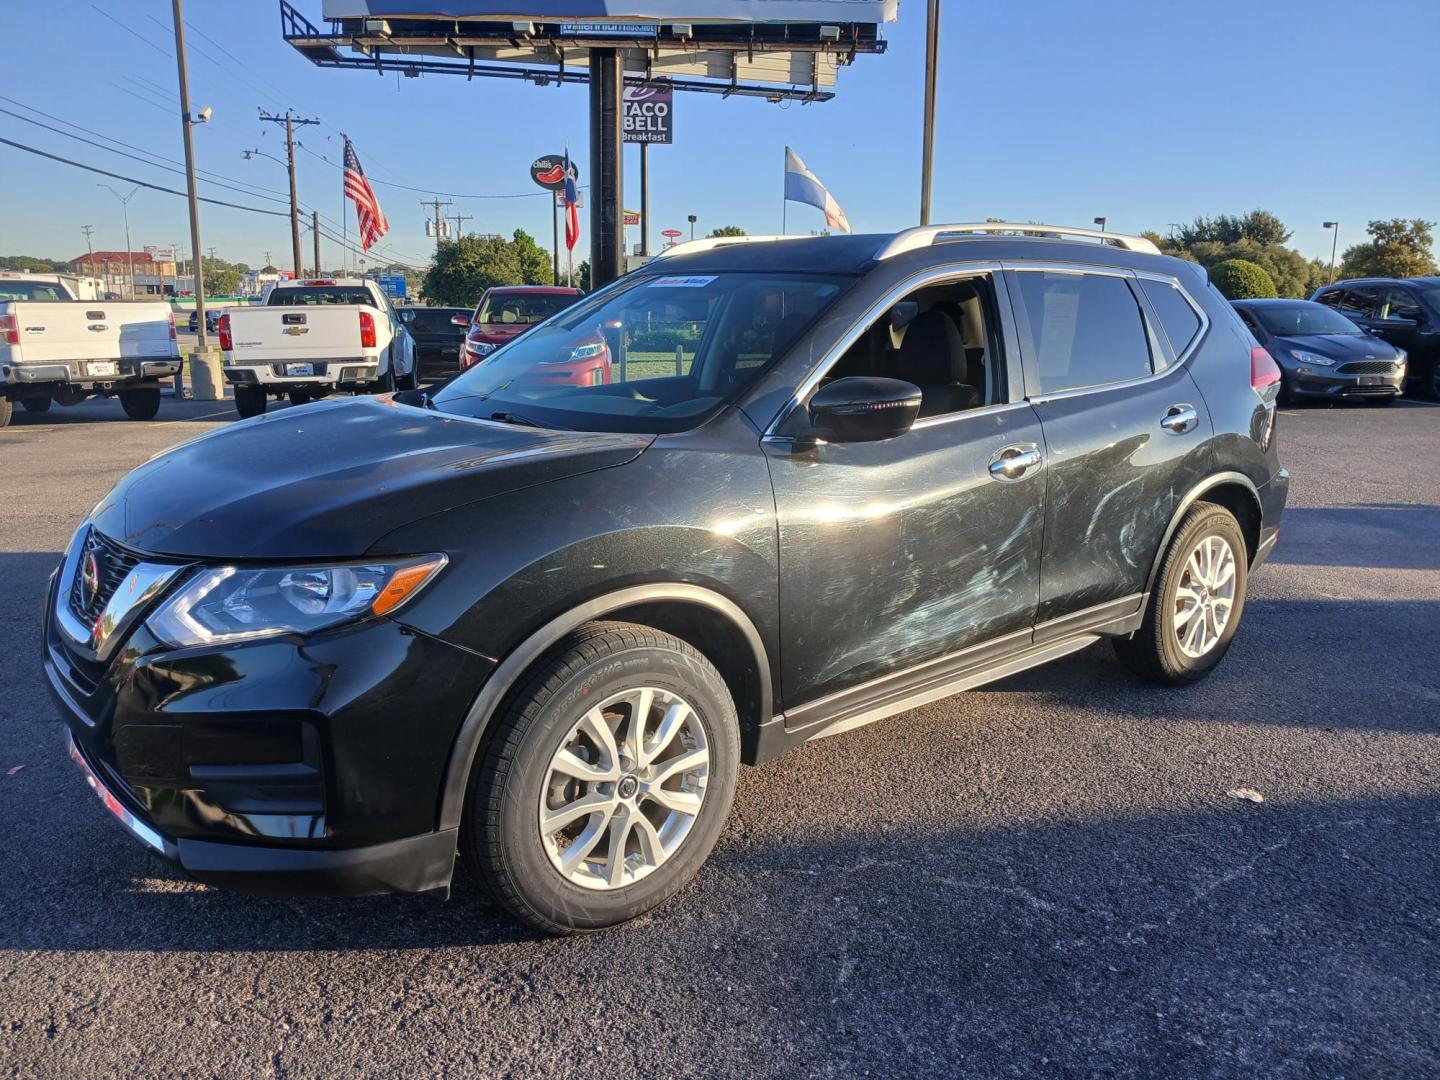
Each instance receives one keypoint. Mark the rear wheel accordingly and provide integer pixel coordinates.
(1195, 607)
(250, 401)
(37, 404)
(606, 780)
(7, 409)
(405, 382)
(141, 404)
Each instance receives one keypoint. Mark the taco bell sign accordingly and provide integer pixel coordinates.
(647, 112)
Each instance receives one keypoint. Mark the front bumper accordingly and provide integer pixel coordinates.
(286, 766)
(1313, 381)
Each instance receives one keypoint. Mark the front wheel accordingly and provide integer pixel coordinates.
(141, 404)
(605, 782)
(1195, 607)
(250, 401)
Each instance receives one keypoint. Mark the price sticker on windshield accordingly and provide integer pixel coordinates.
(683, 282)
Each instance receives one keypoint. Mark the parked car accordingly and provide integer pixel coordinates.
(311, 338)
(542, 624)
(1403, 311)
(505, 312)
(1322, 354)
(212, 321)
(438, 338)
(55, 346)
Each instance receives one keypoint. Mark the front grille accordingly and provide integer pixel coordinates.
(95, 582)
(1366, 367)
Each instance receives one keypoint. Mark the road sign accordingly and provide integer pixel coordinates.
(161, 252)
(632, 217)
(648, 112)
(548, 171)
(393, 287)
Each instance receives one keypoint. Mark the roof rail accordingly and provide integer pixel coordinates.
(925, 235)
(690, 247)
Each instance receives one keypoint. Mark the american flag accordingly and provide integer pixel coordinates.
(367, 208)
(572, 213)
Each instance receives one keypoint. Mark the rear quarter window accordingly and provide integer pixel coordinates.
(1177, 317)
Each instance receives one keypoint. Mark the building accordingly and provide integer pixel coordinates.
(113, 267)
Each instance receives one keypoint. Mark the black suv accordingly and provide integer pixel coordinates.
(541, 622)
(1403, 311)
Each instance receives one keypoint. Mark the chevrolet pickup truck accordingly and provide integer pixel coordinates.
(313, 337)
(57, 347)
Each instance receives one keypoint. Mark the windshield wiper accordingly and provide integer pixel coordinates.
(516, 418)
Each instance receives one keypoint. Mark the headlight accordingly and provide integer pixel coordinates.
(481, 348)
(1401, 357)
(228, 603)
(1312, 358)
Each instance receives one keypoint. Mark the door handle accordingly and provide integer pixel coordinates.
(1179, 419)
(1013, 462)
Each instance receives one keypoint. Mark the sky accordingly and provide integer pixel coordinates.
(1146, 112)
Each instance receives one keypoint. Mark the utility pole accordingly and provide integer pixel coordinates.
(315, 228)
(460, 220)
(186, 123)
(90, 247)
(436, 204)
(291, 121)
(125, 209)
(932, 64)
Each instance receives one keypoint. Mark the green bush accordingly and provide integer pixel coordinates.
(663, 340)
(1241, 279)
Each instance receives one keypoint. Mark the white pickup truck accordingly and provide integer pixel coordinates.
(313, 337)
(57, 347)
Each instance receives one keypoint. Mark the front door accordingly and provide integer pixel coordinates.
(897, 552)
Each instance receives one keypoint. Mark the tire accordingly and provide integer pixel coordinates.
(141, 404)
(385, 384)
(299, 397)
(250, 401)
(1156, 651)
(7, 410)
(501, 832)
(36, 404)
(406, 382)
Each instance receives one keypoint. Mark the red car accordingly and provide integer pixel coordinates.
(507, 311)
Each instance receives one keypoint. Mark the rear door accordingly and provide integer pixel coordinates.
(1126, 431)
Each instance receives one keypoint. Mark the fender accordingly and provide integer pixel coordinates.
(1208, 484)
(498, 685)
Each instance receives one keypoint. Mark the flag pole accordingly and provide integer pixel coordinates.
(784, 206)
(344, 219)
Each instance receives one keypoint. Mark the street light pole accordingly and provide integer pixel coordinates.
(197, 273)
(1334, 243)
(932, 64)
(125, 210)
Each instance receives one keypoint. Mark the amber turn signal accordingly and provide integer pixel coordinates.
(406, 581)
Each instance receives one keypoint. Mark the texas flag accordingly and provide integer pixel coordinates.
(572, 214)
(801, 185)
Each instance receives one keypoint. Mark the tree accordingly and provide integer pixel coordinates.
(221, 280)
(728, 230)
(1261, 226)
(582, 276)
(465, 268)
(31, 262)
(1397, 248)
(1240, 279)
(535, 265)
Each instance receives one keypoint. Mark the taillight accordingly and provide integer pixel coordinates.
(367, 330)
(9, 330)
(1264, 372)
(172, 326)
(223, 329)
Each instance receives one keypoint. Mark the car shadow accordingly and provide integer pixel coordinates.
(1395, 535)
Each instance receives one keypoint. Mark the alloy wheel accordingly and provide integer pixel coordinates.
(1205, 596)
(623, 789)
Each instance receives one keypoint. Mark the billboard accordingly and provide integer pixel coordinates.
(648, 113)
(750, 11)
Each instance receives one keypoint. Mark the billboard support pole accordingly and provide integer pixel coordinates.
(644, 198)
(932, 62)
(607, 218)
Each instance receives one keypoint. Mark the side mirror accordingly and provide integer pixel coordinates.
(460, 320)
(407, 316)
(863, 409)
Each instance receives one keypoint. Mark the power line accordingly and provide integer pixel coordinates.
(133, 180)
(428, 191)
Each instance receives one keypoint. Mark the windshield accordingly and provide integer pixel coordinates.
(650, 355)
(321, 294)
(1431, 297)
(434, 320)
(522, 308)
(31, 290)
(1295, 320)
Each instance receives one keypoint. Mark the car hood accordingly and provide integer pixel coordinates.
(1343, 347)
(331, 478)
(498, 333)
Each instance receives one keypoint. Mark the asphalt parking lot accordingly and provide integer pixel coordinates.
(1046, 877)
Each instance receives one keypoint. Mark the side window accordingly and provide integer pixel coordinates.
(1330, 298)
(1358, 303)
(1249, 320)
(1080, 330)
(1400, 304)
(945, 339)
(1177, 317)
